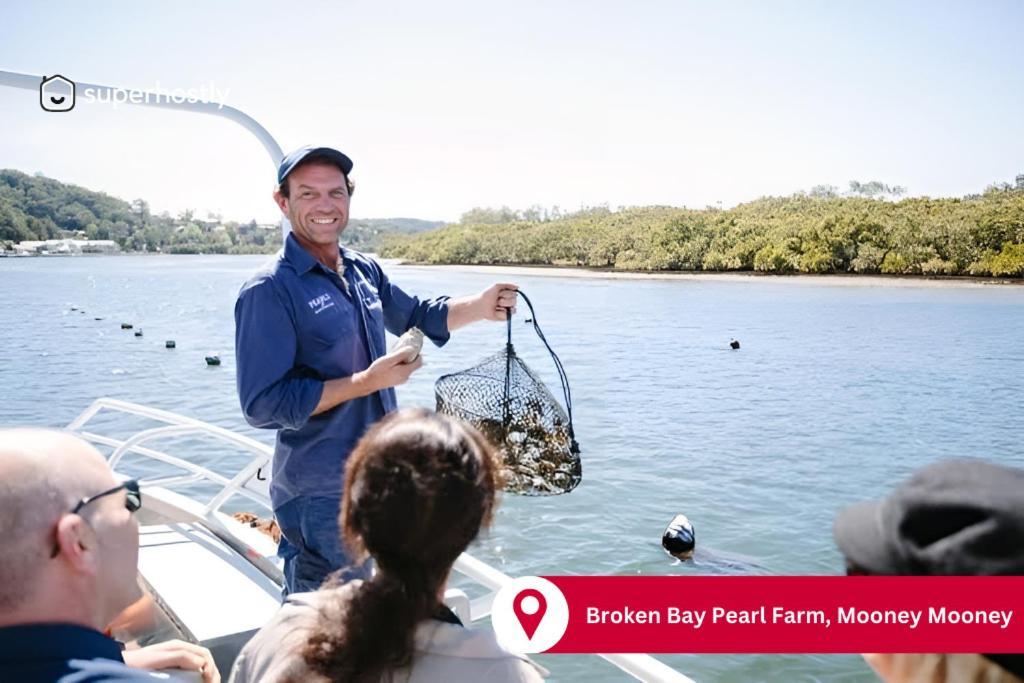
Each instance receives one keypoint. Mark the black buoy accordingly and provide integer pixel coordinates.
(679, 539)
(138, 333)
(126, 326)
(169, 343)
(734, 344)
(213, 360)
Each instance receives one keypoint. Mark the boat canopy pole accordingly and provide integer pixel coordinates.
(164, 101)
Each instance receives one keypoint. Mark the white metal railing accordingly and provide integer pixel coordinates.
(640, 666)
(175, 425)
(178, 425)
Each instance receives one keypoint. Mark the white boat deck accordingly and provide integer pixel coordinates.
(191, 570)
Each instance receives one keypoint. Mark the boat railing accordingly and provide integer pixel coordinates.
(176, 425)
(640, 666)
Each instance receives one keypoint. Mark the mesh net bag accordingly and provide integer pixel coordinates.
(510, 405)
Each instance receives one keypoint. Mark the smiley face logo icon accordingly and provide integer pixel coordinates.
(57, 93)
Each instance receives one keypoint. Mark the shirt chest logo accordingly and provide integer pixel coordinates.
(320, 304)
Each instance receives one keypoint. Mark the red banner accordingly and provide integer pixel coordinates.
(791, 614)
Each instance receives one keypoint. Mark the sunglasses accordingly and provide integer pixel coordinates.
(132, 502)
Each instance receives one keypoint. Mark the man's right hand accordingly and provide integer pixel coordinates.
(385, 372)
(391, 370)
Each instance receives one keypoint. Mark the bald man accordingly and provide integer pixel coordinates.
(68, 563)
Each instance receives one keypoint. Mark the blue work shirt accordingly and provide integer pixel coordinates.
(63, 652)
(297, 325)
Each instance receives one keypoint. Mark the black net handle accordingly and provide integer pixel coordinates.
(562, 377)
(506, 417)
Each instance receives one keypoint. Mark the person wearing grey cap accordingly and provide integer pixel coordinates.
(953, 518)
(312, 357)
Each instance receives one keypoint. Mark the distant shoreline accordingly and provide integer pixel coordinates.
(845, 279)
(580, 272)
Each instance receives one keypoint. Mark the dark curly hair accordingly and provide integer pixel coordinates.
(418, 488)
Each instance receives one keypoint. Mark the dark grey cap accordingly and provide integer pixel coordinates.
(954, 518)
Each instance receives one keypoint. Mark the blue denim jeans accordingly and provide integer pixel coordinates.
(311, 543)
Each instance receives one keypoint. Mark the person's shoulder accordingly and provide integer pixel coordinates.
(363, 262)
(274, 274)
(105, 671)
(357, 256)
(296, 617)
(275, 652)
(513, 669)
(475, 652)
(274, 268)
(318, 600)
(299, 611)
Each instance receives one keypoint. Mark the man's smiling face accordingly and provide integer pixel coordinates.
(317, 205)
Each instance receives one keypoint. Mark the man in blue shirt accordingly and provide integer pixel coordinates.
(312, 357)
(71, 546)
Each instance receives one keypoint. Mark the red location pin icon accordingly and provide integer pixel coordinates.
(529, 606)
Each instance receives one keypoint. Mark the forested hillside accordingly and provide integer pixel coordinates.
(817, 232)
(34, 207)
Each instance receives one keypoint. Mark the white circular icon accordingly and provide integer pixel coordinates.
(529, 615)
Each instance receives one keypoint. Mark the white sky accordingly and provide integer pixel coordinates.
(449, 105)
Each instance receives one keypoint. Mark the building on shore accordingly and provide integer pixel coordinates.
(65, 247)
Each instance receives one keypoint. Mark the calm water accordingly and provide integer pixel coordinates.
(837, 393)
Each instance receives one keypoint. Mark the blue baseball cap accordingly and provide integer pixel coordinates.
(293, 159)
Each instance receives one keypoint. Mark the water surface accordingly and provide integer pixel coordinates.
(837, 394)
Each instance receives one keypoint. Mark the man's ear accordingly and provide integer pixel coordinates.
(77, 542)
(281, 201)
